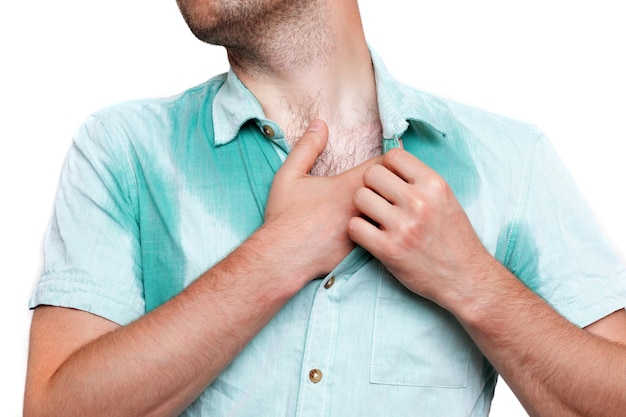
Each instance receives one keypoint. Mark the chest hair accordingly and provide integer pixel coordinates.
(347, 147)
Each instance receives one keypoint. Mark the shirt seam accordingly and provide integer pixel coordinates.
(130, 181)
(521, 206)
(73, 279)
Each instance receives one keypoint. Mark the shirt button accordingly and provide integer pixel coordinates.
(315, 375)
(329, 283)
(268, 131)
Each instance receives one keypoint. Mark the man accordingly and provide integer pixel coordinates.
(177, 282)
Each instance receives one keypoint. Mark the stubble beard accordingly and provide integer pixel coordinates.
(258, 35)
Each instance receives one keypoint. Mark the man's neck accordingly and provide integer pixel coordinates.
(323, 71)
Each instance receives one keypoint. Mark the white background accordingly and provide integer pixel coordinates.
(558, 64)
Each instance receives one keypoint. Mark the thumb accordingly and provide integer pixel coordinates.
(304, 153)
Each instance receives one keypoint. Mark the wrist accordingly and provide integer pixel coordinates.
(270, 252)
(489, 285)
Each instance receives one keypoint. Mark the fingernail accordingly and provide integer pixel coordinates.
(315, 126)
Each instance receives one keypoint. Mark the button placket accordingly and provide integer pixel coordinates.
(317, 364)
(321, 339)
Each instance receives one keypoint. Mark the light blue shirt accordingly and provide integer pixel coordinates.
(155, 192)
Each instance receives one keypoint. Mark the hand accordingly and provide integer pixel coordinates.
(309, 215)
(421, 232)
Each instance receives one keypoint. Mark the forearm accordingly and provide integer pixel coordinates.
(412, 222)
(554, 368)
(158, 364)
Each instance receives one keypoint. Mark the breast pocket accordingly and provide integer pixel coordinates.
(415, 342)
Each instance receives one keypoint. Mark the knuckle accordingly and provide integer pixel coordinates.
(404, 240)
(359, 196)
(370, 173)
(394, 250)
(437, 185)
(411, 228)
(416, 204)
(390, 157)
(353, 226)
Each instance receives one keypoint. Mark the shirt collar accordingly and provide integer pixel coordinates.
(234, 105)
(398, 103)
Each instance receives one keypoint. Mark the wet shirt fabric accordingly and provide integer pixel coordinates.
(155, 192)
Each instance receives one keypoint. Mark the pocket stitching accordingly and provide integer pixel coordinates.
(403, 381)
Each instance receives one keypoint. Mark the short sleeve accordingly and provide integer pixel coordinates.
(92, 255)
(558, 249)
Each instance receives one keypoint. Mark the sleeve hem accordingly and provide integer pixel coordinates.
(86, 297)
